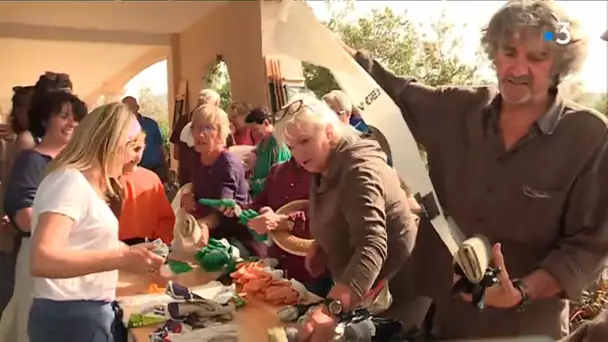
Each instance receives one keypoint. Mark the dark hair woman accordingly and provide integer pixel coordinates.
(53, 116)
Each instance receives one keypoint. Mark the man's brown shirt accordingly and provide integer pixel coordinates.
(545, 199)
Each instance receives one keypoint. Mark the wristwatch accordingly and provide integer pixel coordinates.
(334, 306)
(523, 291)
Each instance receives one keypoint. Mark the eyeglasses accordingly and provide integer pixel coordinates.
(204, 129)
(289, 110)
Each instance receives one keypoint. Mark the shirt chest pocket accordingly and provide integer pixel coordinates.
(536, 213)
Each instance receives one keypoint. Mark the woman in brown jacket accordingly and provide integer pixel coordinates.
(359, 214)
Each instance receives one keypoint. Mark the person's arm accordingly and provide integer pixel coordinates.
(28, 170)
(62, 205)
(23, 141)
(261, 200)
(227, 188)
(175, 152)
(52, 258)
(159, 137)
(175, 135)
(166, 217)
(579, 255)
(421, 106)
(364, 210)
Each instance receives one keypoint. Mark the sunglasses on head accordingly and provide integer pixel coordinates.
(289, 110)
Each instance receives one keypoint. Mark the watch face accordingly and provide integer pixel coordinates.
(335, 307)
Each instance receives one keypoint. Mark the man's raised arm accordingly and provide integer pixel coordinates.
(421, 106)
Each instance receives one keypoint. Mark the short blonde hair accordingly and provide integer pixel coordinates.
(310, 111)
(239, 108)
(97, 142)
(208, 96)
(212, 115)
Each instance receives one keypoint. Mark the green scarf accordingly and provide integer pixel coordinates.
(269, 153)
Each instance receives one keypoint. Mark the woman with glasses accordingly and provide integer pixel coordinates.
(358, 213)
(348, 113)
(217, 174)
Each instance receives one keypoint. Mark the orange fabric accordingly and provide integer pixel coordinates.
(146, 211)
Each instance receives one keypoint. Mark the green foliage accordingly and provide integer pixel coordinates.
(156, 106)
(597, 101)
(218, 79)
(426, 53)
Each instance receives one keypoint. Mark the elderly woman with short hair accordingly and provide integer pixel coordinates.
(241, 133)
(217, 174)
(359, 215)
(348, 113)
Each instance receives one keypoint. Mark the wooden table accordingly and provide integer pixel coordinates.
(254, 318)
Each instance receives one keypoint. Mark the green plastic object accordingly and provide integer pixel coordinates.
(216, 257)
(139, 320)
(179, 267)
(217, 203)
(244, 217)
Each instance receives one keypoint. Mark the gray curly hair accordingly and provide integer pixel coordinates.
(536, 17)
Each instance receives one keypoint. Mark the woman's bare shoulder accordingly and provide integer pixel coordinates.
(24, 141)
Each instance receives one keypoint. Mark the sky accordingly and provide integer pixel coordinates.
(468, 16)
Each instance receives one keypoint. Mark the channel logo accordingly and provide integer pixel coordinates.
(561, 36)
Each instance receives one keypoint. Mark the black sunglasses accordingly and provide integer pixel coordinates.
(289, 110)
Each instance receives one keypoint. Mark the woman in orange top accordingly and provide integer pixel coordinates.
(146, 212)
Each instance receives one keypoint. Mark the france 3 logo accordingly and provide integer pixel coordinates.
(561, 35)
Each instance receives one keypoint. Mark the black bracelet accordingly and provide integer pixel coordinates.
(521, 287)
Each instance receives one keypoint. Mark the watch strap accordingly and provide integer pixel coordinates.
(521, 287)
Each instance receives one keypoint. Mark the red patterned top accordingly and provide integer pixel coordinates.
(287, 182)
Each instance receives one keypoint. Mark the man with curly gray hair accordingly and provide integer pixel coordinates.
(517, 164)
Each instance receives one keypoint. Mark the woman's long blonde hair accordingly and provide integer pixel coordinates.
(96, 143)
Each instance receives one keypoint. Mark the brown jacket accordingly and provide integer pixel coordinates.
(360, 217)
(545, 198)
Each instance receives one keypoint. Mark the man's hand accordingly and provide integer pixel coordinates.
(502, 295)
(319, 327)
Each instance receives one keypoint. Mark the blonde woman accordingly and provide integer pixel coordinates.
(183, 151)
(217, 174)
(359, 215)
(75, 252)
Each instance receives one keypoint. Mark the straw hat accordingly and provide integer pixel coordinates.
(285, 239)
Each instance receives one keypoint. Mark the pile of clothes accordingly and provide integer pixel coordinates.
(188, 316)
(259, 280)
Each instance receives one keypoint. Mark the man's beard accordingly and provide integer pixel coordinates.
(516, 90)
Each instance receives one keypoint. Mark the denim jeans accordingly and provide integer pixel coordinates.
(71, 321)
